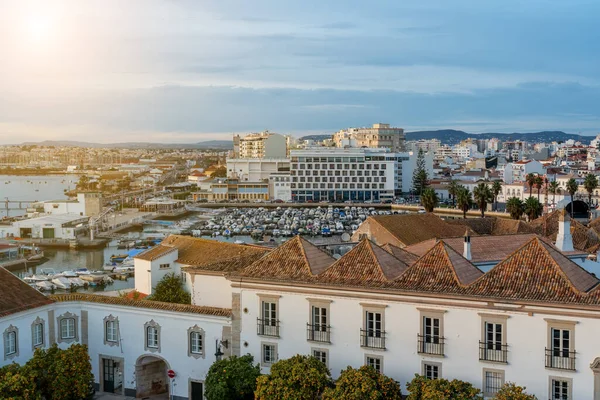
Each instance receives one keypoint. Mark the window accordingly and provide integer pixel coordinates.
(321, 355)
(67, 328)
(431, 340)
(432, 370)
(269, 353)
(37, 333)
(492, 346)
(11, 344)
(560, 352)
(493, 380)
(318, 327)
(164, 266)
(374, 361)
(373, 332)
(196, 342)
(560, 388)
(152, 336)
(268, 324)
(111, 331)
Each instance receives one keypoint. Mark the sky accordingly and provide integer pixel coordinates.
(188, 70)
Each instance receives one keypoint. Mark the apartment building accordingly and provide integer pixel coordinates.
(377, 136)
(423, 145)
(260, 145)
(256, 169)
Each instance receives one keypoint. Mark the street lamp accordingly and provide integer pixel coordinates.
(218, 343)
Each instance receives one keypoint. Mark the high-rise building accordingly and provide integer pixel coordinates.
(378, 136)
(260, 145)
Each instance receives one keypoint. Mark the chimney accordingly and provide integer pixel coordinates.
(564, 240)
(467, 246)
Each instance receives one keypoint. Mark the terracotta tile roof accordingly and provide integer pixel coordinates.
(296, 259)
(584, 237)
(17, 296)
(401, 254)
(414, 228)
(536, 271)
(494, 226)
(206, 254)
(155, 305)
(483, 248)
(441, 269)
(365, 265)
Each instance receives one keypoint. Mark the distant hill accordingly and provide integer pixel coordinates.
(451, 136)
(316, 138)
(211, 144)
(216, 144)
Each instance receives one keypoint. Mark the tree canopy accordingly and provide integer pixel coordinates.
(363, 383)
(515, 207)
(533, 208)
(420, 180)
(464, 200)
(233, 378)
(429, 199)
(170, 289)
(421, 388)
(510, 391)
(483, 195)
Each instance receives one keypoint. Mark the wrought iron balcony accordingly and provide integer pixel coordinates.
(560, 359)
(318, 333)
(493, 352)
(267, 327)
(430, 344)
(372, 338)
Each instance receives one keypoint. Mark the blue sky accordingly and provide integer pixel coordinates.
(185, 71)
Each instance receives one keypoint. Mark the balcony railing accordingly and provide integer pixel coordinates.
(493, 352)
(430, 344)
(560, 359)
(318, 333)
(267, 327)
(372, 338)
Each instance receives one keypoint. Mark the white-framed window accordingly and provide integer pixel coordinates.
(37, 333)
(268, 323)
(11, 344)
(432, 370)
(110, 328)
(196, 343)
(269, 353)
(561, 388)
(321, 355)
(493, 380)
(67, 328)
(374, 361)
(152, 337)
(164, 266)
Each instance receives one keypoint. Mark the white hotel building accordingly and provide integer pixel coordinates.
(532, 319)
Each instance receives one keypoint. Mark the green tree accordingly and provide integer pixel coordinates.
(590, 183)
(232, 378)
(482, 195)
(464, 200)
(554, 189)
(84, 182)
(17, 383)
(572, 188)
(420, 177)
(220, 172)
(453, 189)
(298, 378)
(170, 289)
(530, 179)
(421, 388)
(515, 207)
(533, 208)
(496, 189)
(429, 199)
(510, 391)
(363, 384)
(539, 183)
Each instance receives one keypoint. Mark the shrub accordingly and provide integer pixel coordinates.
(363, 384)
(170, 289)
(421, 388)
(232, 378)
(511, 391)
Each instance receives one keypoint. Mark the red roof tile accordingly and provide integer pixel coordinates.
(17, 296)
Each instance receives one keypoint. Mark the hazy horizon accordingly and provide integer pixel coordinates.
(186, 71)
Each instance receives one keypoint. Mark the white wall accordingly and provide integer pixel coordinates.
(526, 337)
(209, 290)
(143, 282)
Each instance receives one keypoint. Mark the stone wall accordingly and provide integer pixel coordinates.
(151, 378)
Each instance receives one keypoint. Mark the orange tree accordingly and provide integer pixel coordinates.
(16, 383)
(421, 388)
(296, 378)
(233, 378)
(510, 391)
(363, 384)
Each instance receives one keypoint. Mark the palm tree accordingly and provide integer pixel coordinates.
(482, 195)
(429, 199)
(464, 200)
(530, 179)
(572, 188)
(514, 206)
(590, 183)
(496, 189)
(453, 189)
(539, 182)
(555, 189)
(533, 208)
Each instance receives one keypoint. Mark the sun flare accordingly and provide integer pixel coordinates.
(38, 28)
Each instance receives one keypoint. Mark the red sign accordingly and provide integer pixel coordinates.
(171, 374)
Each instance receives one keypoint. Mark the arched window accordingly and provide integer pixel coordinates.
(11, 347)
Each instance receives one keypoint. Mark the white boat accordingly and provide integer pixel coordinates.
(77, 282)
(45, 285)
(61, 282)
(82, 271)
(69, 274)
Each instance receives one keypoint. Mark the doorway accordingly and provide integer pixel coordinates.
(111, 374)
(196, 390)
(151, 376)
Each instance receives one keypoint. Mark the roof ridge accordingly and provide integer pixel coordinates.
(303, 251)
(448, 249)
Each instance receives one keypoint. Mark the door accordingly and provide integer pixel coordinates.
(196, 390)
(431, 335)
(493, 341)
(109, 375)
(48, 233)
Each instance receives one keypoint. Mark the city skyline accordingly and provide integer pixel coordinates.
(160, 71)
